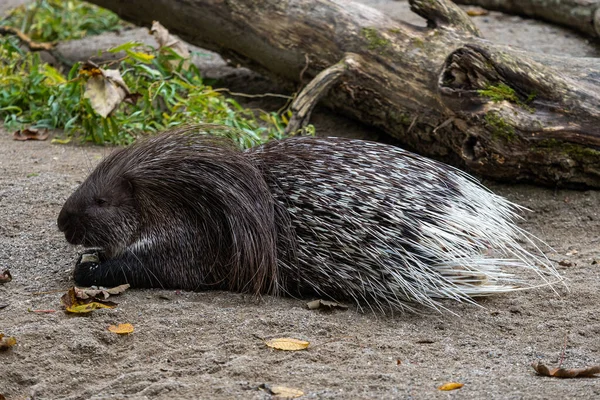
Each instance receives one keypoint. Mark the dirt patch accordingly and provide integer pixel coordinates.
(205, 345)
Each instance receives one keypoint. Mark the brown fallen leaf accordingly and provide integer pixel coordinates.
(30, 134)
(168, 41)
(105, 88)
(281, 392)
(121, 329)
(5, 276)
(86, 293)
(287, 344)
(2, 397)
(565, 372)
(477, 11)
(451, 386)
(73, 304)
(6, 342)
(325, 304)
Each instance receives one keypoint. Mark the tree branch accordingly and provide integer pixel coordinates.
(442, 91)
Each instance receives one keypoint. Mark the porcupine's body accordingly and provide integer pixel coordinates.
(344, 219)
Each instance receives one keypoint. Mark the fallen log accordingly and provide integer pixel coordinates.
(442, 91)
(581, 15)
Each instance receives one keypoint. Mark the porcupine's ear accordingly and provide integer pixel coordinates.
(121, 192)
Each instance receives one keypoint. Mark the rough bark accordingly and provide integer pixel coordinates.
(442, 91)
(581, 15)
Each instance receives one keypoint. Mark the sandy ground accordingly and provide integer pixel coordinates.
(207, 345)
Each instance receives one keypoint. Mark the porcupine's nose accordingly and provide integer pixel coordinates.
(63, 220)
(67, 223)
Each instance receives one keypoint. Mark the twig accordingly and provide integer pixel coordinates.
(307, 62)
(33, 46)
(412, 124)
(562, 356)
(443, 124)
(252, 96)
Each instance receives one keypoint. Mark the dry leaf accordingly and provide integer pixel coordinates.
(2, 397)
(88, 307)
(325, 304)
(281, 392)
(6, 342)
(5, 276)
(451, 386)
(74, 304)
(105, 89)
(286, 392)
(90, 258)
(564, 372)
(477, 11)
(86, 293)
(165, 40)
(288, 344)
(30, 134)
(121, 329)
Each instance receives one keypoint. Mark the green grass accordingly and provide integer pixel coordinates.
(55, 20)
(169, 92)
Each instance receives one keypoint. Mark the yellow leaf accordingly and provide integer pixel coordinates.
(53, 75)
(61, 141)
(86, 308)
(285, 392)
(139, 56)
(121, 329)
(75, 305)
(7, 342)
(288, 344)
(451, 386)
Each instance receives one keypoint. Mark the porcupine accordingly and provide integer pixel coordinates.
(340, 218)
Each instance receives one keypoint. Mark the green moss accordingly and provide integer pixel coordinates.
(418, 42)
(530, 98)
(401, 119)
(500, 129)
(376, 41)
(499, 93)
(572, 150)
(503, 92)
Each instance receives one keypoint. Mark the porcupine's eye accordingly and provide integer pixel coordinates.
(101, 202)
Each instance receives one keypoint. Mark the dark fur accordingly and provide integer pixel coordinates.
(178, 211)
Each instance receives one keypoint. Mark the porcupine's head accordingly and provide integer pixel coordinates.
(191, 203)
(102, 212)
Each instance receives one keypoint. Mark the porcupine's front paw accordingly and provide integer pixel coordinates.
(88, 269)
